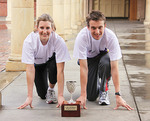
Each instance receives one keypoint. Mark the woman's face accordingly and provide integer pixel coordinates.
(44, 29)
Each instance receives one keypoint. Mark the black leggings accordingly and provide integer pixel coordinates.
(42, 73)
(98, 67)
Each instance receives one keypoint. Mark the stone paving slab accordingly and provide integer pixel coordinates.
(54, 115)
(44, 112)
(6, 78)
(145, 115)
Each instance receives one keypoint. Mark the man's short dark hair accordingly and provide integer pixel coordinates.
(95, 16)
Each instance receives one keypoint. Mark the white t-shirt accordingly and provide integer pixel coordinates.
(35, 52)
(86, 46)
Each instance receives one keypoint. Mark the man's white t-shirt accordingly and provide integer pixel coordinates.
(88, 47)
(35, 52)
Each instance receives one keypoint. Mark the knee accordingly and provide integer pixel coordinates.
(42, 97)
(91, 98)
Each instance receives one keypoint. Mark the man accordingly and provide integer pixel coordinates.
(98, 51)
(44, 53)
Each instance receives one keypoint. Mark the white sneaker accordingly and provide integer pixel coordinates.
(50, 97)
(104, 98)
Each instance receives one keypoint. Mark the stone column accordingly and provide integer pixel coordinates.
(96, 4)
(8, 18)
(44, 6)
(147, 13)
(85, 9)
(58, 16)
(78, 13)
(22, 24)
(67, 20)
(90, 5)
(82, 11)
(73, 16)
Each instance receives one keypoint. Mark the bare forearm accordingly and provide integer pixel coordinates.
(83, 81)
(30, 73)
(115, 78)
(115, 75)
(60, 78)
(83, 76)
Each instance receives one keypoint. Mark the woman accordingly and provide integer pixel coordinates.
(44, 53)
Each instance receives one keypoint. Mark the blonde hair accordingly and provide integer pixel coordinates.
(45, 17)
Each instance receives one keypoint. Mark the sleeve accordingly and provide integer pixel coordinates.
(61, 50)
(27, 51)
(114, 49)
(80, 50)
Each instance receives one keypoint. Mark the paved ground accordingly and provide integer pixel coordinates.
(134, 70)
(4, 43)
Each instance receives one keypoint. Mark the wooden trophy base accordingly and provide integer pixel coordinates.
(70, 110)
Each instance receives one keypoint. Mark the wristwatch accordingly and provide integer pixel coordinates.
(118, 93)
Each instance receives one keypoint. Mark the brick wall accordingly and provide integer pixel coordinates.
(3, 7)
(3, 1)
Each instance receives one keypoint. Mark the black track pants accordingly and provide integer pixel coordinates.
(98, 68)
(42, 73)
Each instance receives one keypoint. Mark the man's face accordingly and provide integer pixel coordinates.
(96, 28)
(44, 30)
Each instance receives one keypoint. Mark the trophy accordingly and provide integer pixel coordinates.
(71, 108)
(71, 85)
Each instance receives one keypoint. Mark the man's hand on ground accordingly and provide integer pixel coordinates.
(121, 102)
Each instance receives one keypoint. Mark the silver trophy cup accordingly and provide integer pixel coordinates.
(71, 85)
